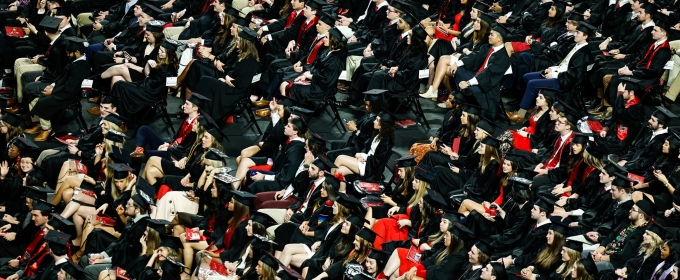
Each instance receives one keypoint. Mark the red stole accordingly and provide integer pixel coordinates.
(314, 52)
(230, 232)
(34, 254)
(304, 28)
(206, 5)
(556, 155)
(653, 52)
(292, 17)
(621, 130)
(184, 130)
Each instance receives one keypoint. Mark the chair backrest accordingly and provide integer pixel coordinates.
(392, 167)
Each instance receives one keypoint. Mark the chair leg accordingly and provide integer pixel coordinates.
(166, 117)
(420, 111)
(249, 111)
(82, 125)
(337, 115)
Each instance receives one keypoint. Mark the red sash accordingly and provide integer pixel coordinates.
(304, 28)
(291, 18)
(315, 51)
(556, 155)
(649, 58)
(184, 130)
(34, 253)
(35, 243)
(229, 233)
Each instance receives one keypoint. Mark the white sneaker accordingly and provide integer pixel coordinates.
(430, 93)
(442, 105)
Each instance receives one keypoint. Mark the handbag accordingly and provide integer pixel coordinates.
(193, 236)
(106, 220)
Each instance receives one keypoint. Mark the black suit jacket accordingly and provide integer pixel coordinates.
(576, 69)
(66, 90)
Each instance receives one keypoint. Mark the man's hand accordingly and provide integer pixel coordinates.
(593, 236)
(279, 194)
(13, 263)
(257, 177)
(463, 84)
(548, 74)
(289, 213)
(13, 276)
(351, 126)
(502, 19)
(110, 47)
(10, 236)
(452, 68)
(619, 56)
(72, 149)
(31, 28)
(5, 228)
(47, 90)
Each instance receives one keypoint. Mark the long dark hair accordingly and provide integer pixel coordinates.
(417, 47)
(386, 131)
(224, 34)
(346, 243)
(557, 19)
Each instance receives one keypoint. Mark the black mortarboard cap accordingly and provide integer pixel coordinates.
(622, 181)
(407, 161)
(472, 109)
(114, 118)
(197, 99)
(37, 193)
(379, 255)
(263, 243)
(650, 8)
(596, 149)
(62, 224)
(418, 33)
(316, 138)
(215, 154)
(119, 155)
(513, 157)
(51, 24)
(347, 200)
(143, 199)
(115, 136)
(57, 240)
(399, 5)
(155, 26)
(673, 137)
(172, 266)
(499, 271)
(589, 265)
(485, 248)
(663, 21)
(327, 19)
(170, 241)
(244, 198)
(486, 18)
(314, 4)
(356, 220)
(655, 227)
(367, 234)
(435, 199)
(581, 138)
(170, 44)
(491, 141)
(335, 32)
(241, 22)
(560, 4)
(153, 12)
(456, 228)
(270, 261)
(229, 10)
(375, 95)
(332, 181)
(76, 43)
(300, 124)
(586, 28)
(501, 30)
(13, 120)
(65, 11)
(630, 83)
(410, 19)
(486, 126)
(73, 269)
(425, 173)
(545, 204)
(159, 226)
(217, 134)
(43, 206)
(612, 167)
(263, 219)
(663, 115)
(574, 245)
(549, 92)
(576, 16)
(481, 6)
(24, 143)
(646, 205)
(324, 163)
(247, 34)
(558, 226)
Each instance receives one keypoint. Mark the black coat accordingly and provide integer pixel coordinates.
(642, 154)
(631, 244)
(576, 69)
(135, 96)
(66, 90)
(223, 96)
(54, 60)
(375, 164)
(532, 245)
(325, 70)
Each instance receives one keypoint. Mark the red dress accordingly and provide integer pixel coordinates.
(388, 229)
(524, 143)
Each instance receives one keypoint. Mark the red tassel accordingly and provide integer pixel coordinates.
(339, 176)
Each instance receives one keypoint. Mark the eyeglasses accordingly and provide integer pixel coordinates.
(391, 11)
(633, 210)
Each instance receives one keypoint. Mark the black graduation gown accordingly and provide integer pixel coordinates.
(375, 164)
(135, 96)
(576, 72)
(285, 167)
(272, 138)
(531, 246)
(405, 77)
(66, 90)
(325, 69)
(469, 273)
(624, 119)
(357, 139)
(489, 78)
(55, 60)
(223, 96)
(631, 244)
(512, 228)
(48, 270)
(484, 186)
(642, 154)
(450, 267)
(546, 54)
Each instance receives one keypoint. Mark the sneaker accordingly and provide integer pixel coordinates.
(443, 105)
(430, 93)
(138, 153)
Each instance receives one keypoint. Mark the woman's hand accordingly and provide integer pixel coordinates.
(228, 80)
(404, 223)
(387, 199)
(118, 54)
(181, 163)
(326, 264)
(315, 246)
(101, 209)
(351, 126)
(219, 65)
(99, 149)
(360, 157)
(142, 241)
(304, 227)
(205, 51)
(392, 210)
(186, 181)
(151, 63)
(489, 217)
(4, 169)
(660, 176)
(72, 149)
(120, 210)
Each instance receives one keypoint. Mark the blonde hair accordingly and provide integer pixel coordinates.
(153, 239)
(247, 48)
(422, 190)
(359, 255)
(592, 161)
(565, 268)
(649, 248)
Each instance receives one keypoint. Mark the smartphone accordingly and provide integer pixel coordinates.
(344, 120)
(451, 165)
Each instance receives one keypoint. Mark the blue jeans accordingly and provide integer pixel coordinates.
(534, 80)
(91, 50)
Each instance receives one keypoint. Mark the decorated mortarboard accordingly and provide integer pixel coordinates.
(630, 83)
(42, 206)
(76, 43)
(155, 26)
(491, 141)
(545, 204)
(549, 92)
(115, 136)
(646, 205)
(410, 19)
(170, 241)
(215, 154)
(120, 170)
(499, 270)
(170, 44)
(472, 109)
(481, 6)
(198, 99)
(375, 95)
(270, 261)
(24, 143)
(115, 119)
(335, 32)
(589, 265)
(51, 24)
(263, 219)
(521, 183)
(262, 243)
(159, 226)
(153, 12)
(673, 137)
(407, 161)
(665, 22)
(347, 200)
(244, 198)
(37, 193)
(248, 34)
(560, 4)
(622, 181)
(57, 240)
(73, 269)
(575, 16)
(226, 178)
(596, 149)
(143, 199)
(316, 138)
(435, 199)
(663, 115)
(586, 28)
(378, 255)
(655, 227)
(425, 173)
(367, 234)
(574, 245)
(172, 266)
(119, 155)
(327, 19)
(300, 124)
(485, 247)
(324, 163)
(356, 220)
(13, 120)
(502, 30)
(331, 180)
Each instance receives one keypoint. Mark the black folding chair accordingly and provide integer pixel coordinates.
(244, 107)
(161, 104)
(323, 104)
(411, 101)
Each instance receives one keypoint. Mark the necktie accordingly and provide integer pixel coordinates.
(640, 29)
(573, 50)
(134, 22)
(375, 9)
(534, 228)
(48, 50)
(485, 61)
(309, 194)
(618, 6)
(400, 37)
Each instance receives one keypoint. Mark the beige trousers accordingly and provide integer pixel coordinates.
(21, 66)
(84, 19)
(353, 62)
(173, 32)
(45, 124)
(671, 75)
